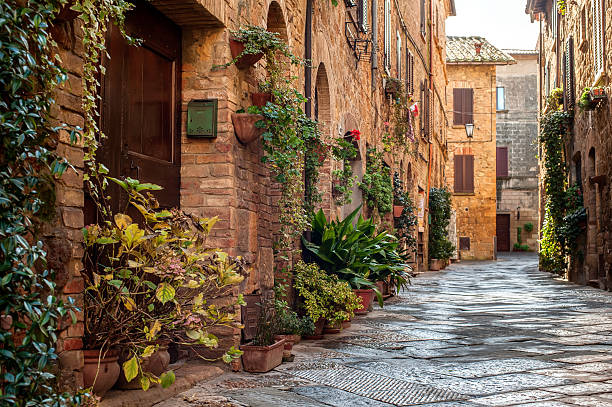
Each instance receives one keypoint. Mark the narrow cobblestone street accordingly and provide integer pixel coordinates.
(480, 333)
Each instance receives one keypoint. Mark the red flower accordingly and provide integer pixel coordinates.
(356, 134)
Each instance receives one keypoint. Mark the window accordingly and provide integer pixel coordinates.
(501, 98)
(399, 56)
(502, 162)
(463, 106)
(583, 26)
(409, 72)
(423, 19)
(464, 243)
(362, 15)
(554, 18)
(387, 35)
(598, 40)
(546, 80)
(464, 174)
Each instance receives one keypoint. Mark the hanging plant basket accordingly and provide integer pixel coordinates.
(392, 87)
(397, 211)
(245, 61)
(245, 127)
(260, 99)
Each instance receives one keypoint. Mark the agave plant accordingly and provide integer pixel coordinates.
(356, 253)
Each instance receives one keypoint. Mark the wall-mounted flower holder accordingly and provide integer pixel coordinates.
(245, 61)
(245, 127)
(598, 95)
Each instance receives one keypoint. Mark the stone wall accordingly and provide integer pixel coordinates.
(589, 145)
(476, 212)
(517, 129)
(220, 176)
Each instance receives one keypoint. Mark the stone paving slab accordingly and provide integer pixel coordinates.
(477, 334)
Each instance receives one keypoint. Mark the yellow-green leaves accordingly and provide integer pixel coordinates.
(167, 379)
(165, 292)
(131, 368)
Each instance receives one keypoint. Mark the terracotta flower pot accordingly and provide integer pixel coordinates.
(236, 48)
(366, 300)
(157, 364)
(318, 333)
(260, 99)
(261, 359)
(397, 211)
(435, 265)
(346, 324)
(245, 128)
(381, 287)
(333, 328)
(101, 373)
(289, 338)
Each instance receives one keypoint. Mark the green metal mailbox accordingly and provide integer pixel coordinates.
(202, 118)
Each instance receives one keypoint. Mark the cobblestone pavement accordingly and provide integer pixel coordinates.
(477, 334)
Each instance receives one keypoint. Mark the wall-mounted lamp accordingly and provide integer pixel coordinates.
(518, 213)
(469, 130)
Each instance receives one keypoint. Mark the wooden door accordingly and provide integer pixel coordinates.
(503, 233)
(140, 108)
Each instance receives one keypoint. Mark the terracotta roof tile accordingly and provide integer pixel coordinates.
(464, 50)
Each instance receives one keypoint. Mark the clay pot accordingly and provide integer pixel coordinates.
(101, 373)
(290, 339)
(244, 126)
(260, 99)
(261, 359)
(435, 265)
(346, 324)
(236, 48)
(366, 300)
(381, 287)
(156, 364)
(397, 211)
(333, 328)
(318, 333)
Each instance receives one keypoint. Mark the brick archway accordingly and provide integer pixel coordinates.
(276, 21)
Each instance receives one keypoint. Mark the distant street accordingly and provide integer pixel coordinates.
(480, 333)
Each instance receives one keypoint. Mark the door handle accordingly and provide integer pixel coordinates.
(135, 167)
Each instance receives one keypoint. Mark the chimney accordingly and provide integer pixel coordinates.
(478, 47)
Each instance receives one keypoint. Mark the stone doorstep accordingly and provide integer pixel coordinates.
(187, 376)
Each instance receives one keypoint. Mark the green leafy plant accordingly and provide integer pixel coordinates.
(440, 211)
(553, 126)
(356, 253)
(32, 311)
(316, 152)
(324, 295)
(528, 227)
(289, 322)
(154, 280)
(519, 246)
(343, 151)
(408, 220)
(267, 324)
(376, 185)
(399, 133)
(562, 6)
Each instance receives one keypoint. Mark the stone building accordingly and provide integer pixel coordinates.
(574, 54)
(517, 162)
(146, 126)
(471, 165)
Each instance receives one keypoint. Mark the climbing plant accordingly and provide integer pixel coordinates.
(554, 125)
(316, 152)
(31, 310)
(440, 211)
(408, 220)
(376, 184)
(344, 150)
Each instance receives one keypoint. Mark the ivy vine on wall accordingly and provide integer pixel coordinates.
(376, 184)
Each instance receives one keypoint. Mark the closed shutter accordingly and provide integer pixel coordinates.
(598, 43)
(427, 109)
(568, 71)
(468, 174)
(362, 15)
(411, 73)
(399, 56)
(458, 173)
(423, 19)
(463, 106)
(464, 173)
(502, 162)
(387, 34)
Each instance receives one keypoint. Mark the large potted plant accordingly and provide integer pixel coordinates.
(325, 298)
(148, 281)
(264, 353)
(440, 247)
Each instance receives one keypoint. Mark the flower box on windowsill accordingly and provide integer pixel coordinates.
(392, 87)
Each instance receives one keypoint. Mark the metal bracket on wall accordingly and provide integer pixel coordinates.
(359, 41)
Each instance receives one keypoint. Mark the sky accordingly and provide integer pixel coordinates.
(502, 22)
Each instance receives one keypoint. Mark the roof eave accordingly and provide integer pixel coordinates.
(481, 62)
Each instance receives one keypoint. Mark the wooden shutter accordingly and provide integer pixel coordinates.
(399, 55)
(502, 162)
(468, 173)
(598, 43)
(362, 15)
(458, 106)
(569, 95)
(468, 106)
(423, 19)
(411, 73)
(458, 173)
(387, 34)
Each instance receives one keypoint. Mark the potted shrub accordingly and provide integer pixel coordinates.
(100, 370)
(440, 248)
(148, 281)
(261, 98)
(264, 353)
(326, 299)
